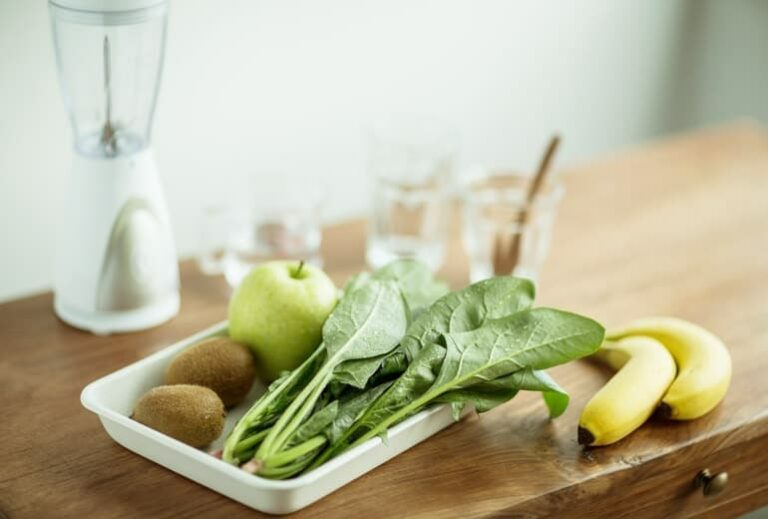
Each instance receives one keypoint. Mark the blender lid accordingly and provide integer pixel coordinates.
(107, 6)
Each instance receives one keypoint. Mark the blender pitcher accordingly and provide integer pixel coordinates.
(116, 267)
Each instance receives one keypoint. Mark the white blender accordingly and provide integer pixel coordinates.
(116, 267)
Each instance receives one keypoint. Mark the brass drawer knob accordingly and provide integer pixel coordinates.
(711, 485)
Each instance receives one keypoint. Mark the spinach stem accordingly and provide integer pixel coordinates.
(259, 408)
(333, 449)
(304, 411)
(296, 412)
(250, 441)
(285, 471)
(290, 455)
(242, 457)
(396, 417)
(327, 454)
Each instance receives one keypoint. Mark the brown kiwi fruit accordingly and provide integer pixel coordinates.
(191, 414)
(219, 363)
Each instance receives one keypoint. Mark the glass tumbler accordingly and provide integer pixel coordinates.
(213, 225)
(503, 233)
(411, 168)
(278, 222)
(257, 236)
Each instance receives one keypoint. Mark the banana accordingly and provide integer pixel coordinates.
(703, 361)
(645, 370)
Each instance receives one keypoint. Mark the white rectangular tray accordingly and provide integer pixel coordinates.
(113, 397)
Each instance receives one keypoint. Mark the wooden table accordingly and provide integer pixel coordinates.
(679, 227)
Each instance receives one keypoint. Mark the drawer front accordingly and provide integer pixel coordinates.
(664, 487)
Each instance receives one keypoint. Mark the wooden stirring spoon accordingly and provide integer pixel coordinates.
(506, 256)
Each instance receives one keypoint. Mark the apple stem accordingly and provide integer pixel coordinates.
(298, 270)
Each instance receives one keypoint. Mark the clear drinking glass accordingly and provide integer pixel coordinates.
(292, 233)
(215, 222)
(504, 234)
(283, 223)
(411, 167)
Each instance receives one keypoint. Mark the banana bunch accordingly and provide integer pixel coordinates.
(661, 363)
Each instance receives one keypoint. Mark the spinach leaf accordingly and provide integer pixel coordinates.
(316, 423)
(419, 288)
(358, 372)
(536, 339)
(351, 409)
(484, 396)
(411, 384)
(335, 418)
(459, 311)
(554, 396)
(367, 323)
(393, 364)
(467, 310)
(355, 282)
(417, 283)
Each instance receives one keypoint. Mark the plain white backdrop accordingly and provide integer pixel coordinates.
(252, 89)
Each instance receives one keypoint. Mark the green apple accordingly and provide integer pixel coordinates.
(279, 310)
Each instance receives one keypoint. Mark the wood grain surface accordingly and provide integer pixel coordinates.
(678, 227)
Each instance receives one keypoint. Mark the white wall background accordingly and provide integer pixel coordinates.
(252, 88)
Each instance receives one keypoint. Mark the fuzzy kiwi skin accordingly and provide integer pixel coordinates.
(191, 414)
(219, 363)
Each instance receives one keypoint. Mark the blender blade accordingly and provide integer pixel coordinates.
(108, 137)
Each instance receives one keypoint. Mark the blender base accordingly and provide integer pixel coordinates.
(105, 323)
